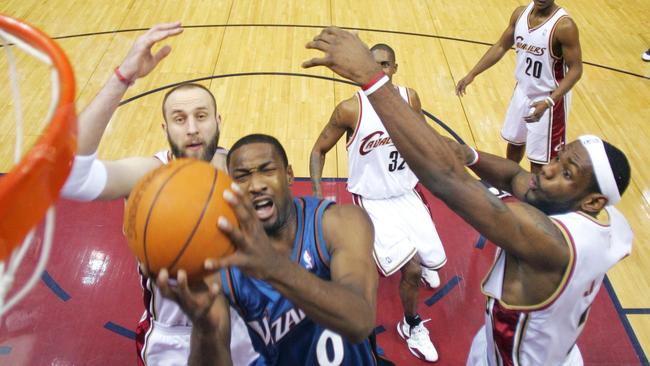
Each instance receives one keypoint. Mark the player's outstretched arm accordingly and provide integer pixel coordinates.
(343, 119)
(493, 54)
(93, 179)
(520, 229)
(138, 63)
(207, 308)
(346, 304)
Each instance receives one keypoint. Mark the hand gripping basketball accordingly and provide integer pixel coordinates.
(254, 255)
(201, 301)
(170, 219)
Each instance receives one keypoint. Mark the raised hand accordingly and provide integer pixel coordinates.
(462, 84)
(537, 109)
(345, 54)
(254, 256)
(140, 61)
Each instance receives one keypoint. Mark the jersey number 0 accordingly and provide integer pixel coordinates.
(336, 342)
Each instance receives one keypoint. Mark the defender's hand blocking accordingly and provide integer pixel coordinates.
(254, 255)
(345, 54)
(140, 61)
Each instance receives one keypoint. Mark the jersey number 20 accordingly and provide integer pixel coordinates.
(536, 65)
(336, 343)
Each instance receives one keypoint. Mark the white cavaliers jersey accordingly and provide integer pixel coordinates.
(376, 170)
(538, 70)
(544, 334)
(158, 307)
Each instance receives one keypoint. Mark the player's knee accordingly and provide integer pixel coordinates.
(411, 272)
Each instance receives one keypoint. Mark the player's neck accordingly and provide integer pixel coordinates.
(544, 13)
(284, 238)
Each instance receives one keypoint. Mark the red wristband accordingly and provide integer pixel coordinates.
(122, 78)
(372, 81)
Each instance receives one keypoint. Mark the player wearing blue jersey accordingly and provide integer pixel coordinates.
(302, 277)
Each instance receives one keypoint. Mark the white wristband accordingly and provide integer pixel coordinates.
(87, 179)
(378, 84)
(549, 102)
(477, 157)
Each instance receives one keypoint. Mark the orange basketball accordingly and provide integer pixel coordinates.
(170, 219)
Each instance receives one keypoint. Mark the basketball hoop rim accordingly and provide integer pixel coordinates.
(37, 179)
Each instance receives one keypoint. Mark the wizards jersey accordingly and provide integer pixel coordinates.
(280, 331)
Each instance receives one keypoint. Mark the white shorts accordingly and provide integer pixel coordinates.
(170, 345)
(478, 353)
(544, 138)
(403, 227)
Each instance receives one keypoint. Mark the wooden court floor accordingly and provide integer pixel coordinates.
(436, 41)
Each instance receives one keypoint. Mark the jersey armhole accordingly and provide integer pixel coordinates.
(550, 38)
(229, 290)
(321, 245)
(358, 124)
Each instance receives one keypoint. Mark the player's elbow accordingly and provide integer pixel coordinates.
(360, 331)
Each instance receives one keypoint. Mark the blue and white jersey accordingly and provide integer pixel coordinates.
(281, 332)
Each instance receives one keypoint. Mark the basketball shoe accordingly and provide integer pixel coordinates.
(418, 341)
(430, 277)
(646, 55)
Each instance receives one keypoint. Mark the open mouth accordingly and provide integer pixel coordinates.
(263, 208)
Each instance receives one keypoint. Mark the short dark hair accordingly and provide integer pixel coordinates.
(620, 166)
(385, 47)
(259, 138)
(187, 86)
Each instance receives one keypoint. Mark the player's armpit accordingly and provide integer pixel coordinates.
(519, 228)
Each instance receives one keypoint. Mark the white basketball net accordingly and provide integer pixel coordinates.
(9, 268)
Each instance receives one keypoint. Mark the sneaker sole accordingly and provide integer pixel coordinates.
(400, 332)
(413, 351)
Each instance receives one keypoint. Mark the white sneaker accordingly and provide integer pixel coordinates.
(430, 277)
(646, 55)
(418, 341)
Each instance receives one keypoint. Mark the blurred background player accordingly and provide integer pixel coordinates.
(191, 123)
(382, 183)
(549, 64)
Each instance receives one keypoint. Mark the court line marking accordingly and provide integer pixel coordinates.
(116, 328)
(54, 286)
(626, 322)
(450, 285)
(245, 25)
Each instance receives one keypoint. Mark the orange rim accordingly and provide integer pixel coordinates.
(33, 185)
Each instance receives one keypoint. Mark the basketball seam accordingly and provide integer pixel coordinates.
(198, 222)
(153, 204)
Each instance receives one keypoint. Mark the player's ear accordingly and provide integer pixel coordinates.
(593, 203)
(290, 174)
(218, 123)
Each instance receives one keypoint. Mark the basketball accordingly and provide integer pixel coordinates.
(170, 219)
